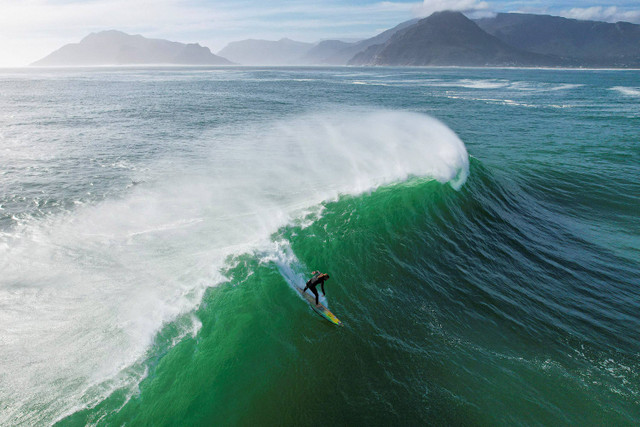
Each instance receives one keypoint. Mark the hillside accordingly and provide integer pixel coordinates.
(448, 38)
(266, 52)
(118, 48)
(587, 42)
(334, 52)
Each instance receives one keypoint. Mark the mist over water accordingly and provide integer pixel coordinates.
(153, 222)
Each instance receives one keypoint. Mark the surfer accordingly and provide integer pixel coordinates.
(317, 279)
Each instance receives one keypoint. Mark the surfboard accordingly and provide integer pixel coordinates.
(320, 309)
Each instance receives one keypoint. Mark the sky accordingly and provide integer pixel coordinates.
(31, 29)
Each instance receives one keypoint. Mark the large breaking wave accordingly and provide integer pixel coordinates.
(84, 292)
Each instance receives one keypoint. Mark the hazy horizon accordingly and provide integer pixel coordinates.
(32, 30)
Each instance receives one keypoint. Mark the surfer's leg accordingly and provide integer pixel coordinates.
(315, 292)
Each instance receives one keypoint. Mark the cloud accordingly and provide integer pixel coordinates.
(600, 13)
(27, 16)
(473, 7)
(47, 15)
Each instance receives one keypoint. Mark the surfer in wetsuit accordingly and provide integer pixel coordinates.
(317, 279)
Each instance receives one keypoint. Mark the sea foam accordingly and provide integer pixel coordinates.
(627, 91)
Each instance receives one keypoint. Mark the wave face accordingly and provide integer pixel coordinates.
(148, 275)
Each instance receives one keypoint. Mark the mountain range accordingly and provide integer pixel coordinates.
(118, 48)
(448, 38)
(335, 52)
(266, 52)
(442, 39)
(587, 43)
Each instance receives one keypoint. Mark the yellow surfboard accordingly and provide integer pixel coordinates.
(320, 309)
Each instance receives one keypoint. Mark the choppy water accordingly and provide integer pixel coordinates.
(481, 229)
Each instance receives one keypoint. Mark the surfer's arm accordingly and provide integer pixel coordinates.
(322, 286)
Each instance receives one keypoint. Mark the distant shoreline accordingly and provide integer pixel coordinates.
(406, 67)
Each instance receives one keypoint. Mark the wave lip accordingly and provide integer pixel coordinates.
(356, 152)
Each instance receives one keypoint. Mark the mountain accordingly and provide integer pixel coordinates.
(444, 38)
(334, 52)
(449, 38)
(117, 48)
(328, 52)
(289, 52)
(265, 52)
(588, 42)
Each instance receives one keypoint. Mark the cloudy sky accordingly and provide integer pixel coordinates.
(30, 29)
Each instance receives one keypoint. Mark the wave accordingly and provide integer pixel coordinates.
(85, 293)
(489, 84)
(369, 83)
(509, 102)
(466, 282)
(627, 91)
(480, 84)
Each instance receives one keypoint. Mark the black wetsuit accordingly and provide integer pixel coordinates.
(316, 280)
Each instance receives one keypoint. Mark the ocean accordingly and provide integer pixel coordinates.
(481, 228)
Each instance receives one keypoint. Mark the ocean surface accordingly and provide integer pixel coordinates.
(481, 228)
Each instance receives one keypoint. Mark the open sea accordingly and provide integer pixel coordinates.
(481, 228)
